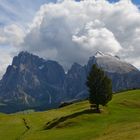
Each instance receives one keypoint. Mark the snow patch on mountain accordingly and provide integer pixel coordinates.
(41, 67)
(112, 63)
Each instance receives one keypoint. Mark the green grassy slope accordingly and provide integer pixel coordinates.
(119, 121)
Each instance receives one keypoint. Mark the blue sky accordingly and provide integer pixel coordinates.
(22, 11)
(134, 1)
(19, 11)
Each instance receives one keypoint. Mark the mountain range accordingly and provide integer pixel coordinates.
(31, 82)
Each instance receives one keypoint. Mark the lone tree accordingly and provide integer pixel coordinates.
(100, 88)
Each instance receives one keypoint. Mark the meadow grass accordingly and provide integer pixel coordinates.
(120, 120)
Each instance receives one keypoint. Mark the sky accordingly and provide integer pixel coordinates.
(137, 2)
(69, 31)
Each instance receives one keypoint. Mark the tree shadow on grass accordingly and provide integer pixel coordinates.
(55, 122)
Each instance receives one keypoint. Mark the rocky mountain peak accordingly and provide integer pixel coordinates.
(111, 63)
(27, 59)
(32, 81)
(75, 67)
(99, 54)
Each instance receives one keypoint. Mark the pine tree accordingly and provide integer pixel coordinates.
(100, 88)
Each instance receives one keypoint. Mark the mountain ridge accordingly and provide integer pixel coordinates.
(33, 82)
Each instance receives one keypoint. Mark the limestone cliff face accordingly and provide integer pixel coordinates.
(74, 84)
(32, 82)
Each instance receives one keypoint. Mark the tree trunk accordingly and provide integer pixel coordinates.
(97, 108)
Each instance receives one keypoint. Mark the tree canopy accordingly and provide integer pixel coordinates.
(99, 86)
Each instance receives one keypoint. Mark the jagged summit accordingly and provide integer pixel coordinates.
(24, 53)
(25, 57)
(75, 65)
(99, 54)
(31, 81)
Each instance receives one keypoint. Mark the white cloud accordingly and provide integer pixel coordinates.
(72, 31)
(11, 35)
(97, 37)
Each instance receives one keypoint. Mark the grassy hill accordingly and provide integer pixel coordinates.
(119, 121)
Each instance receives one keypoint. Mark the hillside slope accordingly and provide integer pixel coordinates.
(120, 120)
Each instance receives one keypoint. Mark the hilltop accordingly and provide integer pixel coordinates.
(119, 121)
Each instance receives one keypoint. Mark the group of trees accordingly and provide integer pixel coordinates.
(100, 88)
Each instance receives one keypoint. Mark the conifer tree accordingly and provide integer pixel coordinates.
(100, 88)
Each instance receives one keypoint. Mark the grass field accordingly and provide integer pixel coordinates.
(120, 120)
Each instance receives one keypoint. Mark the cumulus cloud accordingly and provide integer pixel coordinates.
(70, 31)
(97, 38)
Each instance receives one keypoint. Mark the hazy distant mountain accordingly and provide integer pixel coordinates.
(32, 82)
